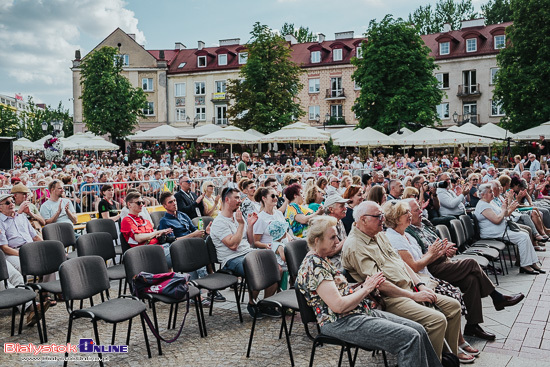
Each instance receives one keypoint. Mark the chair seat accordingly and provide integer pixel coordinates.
(498, 245)
(483, 251)
(116, 272)
(483, 262)
(216, 281)
(193, 292)
(72, 255)
(15, 296)
(115, 310)
(53, 286)
(283, 299)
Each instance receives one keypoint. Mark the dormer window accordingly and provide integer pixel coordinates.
(315, 57)
(359, 52)
(222, 59)
(471, 45)
(243, 57)
(337, 54)
(500, 41)
(201, 61)
(444, 48)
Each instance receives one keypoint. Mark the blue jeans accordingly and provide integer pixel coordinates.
(199, 273)
(166, 248)
(236, 265)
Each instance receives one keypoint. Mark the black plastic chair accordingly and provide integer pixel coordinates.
(18, 296)
(156, 217)
(105, 225)
(63, 232)
(443, 232)
(101, 244)
(86, 277)
(214, 260)
(151, 259)
(205, 219)
(509, 245)
(123, 244)
(295, 252)
(38, 259)
(190, 254)
(262, 271)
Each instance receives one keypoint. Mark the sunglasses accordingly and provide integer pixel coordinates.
(379, 216)
(139, 202)
(9, 202)
(273, 196)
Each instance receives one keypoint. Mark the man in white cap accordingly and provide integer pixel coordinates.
(23, 206)
(335, 206)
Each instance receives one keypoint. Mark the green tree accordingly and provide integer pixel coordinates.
(31, 120)
(110, 104)
(396, 78)
(497, 11)
(522, 82)
(266, 95)
(9, 122)
(301, 34)
(430, 20)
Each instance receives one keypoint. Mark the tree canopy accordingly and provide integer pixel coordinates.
(430, 20)
(396, 78)
(302, 34)
(266, 94)
(9, 122)
(497, 11)
(522, 82)
(110, 104)
(31, 120)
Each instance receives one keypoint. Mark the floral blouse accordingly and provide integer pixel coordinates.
(293, 209)
(313, 271)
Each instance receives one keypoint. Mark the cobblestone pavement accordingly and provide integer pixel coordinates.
(523, 335)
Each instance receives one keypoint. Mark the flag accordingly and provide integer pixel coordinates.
(19, 97)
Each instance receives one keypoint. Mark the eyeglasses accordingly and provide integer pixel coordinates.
(273, 196)
(379, 216)
(209, 185)
(9, 202)
(139, 202)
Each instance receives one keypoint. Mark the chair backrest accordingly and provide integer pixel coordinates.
(295, 252)
(212, 250)
(99, 244)
(261, 269)
(83, 277)
(206, 220)
(189, 254)
(123, 243)
(148, 258)
(443, 232)
(156, 217)
(306, 312)
(102, 225)
(476, 227)
(63, 232)
(41, 257)
(457, 233)
(4, 275)
(468, 228)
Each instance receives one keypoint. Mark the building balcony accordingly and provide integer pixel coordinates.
(464, 119)
(219, 121)
(334, 94)
(220, 97)
(468, 90)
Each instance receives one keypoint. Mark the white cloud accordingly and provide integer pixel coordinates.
(38, 39)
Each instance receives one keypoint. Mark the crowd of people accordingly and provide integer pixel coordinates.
(373, 222)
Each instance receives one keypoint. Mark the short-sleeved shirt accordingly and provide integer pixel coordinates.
(313, 271)
(488, 229)
(406, 242)
(132, 225)
(49, 208)
(298, 228)
(180, 223)
(106, 206)
(15, 231)
(264, 219)
(222, 227)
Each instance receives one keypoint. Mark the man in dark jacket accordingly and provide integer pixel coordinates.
(188, 202)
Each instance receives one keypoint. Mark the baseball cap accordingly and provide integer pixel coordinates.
(333, 199)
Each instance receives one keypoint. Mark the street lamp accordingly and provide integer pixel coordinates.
(56, 124)
(188, 120)
(327, 119)
(317, 118)
(44, 126)
(195, 121)
(455, 117)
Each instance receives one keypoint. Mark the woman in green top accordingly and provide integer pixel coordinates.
(314, 197)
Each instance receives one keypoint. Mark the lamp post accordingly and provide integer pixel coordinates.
(56, 124)
(327, 119)
(195, 121)
(317, 118)
(188, 120)
(455, 117)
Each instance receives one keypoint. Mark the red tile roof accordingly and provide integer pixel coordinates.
(169, 55)
(189, 57)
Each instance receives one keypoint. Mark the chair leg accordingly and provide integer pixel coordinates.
(13, 310)
(68, 339)
(175, 316)
(211, 303)
(43, 314)
(125, 286)
(202, 318)
(341, 355)
(243, 289)
(385, 359)
(40, 336)
(291, 323)
(238, 303)
(129, 330)
(157, 327)
(312, 354)
(170, 316)
(97, 342)
(283, 310)
(350, 359)
(119, 287)
(114, 332)
(495, 270)
(144, 335)
(355, 356)
(252, 331)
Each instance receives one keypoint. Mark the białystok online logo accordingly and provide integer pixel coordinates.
(84, 346)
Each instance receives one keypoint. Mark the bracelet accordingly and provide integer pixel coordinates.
(419, 284)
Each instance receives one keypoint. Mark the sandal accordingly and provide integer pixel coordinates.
(465, 358)
(539, 249)
(467, 348)
(50, 300)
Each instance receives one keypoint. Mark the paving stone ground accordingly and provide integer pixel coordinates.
(523, 335)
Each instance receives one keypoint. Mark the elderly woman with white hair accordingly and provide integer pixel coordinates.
(343, 310)
(492, 224)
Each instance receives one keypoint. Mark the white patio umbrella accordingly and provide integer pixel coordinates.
(229, 135)
(534, 133)
(495, 131)
(67, 144)
(255, 133)
(24, 144)
(466, 134)
(343, 134)
(428, 137)
(368, 137)
(162, 133)
(404, 133)
(297, 133)
(200, 131)
(95, 143)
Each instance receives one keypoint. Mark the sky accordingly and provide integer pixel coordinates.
(38, 38)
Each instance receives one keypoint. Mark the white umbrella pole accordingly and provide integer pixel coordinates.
(230, 150)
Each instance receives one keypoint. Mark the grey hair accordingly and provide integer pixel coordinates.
(484, 188)
(362, 209)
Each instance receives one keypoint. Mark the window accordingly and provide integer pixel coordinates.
(315, 57)
(125, 59)
(356, 85)
(337, 54)
(181, 65)
(180, 101)
(444, 48)
(243, 57)
(500, 41)
(150, 109)
(494, 72)
(200, 101)
(147, 84)
(496, 108)
(443, 111)
(200, 88)
(200, 112)
(335, 87)
(469, 80)
(221, 115)
(336, 110)
(222, 59)
(220, 86)
(314, 111)
(469, 110)
(314, 85)
(201, 61)
(471, 45)
(443, 80)
(179, 89)
(359, 52)
(180, 114)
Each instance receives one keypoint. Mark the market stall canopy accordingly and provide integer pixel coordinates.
(159, 133)
(24, 144)
(428, 137)
(200, 131)
(534, 133)
(368, 137)
(297, 133)
(405, 132)
(466, 134)
(229, 135)
(495, 131)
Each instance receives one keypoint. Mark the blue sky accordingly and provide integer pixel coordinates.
(38, 38)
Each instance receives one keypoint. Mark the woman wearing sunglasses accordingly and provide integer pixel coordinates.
(267, 197)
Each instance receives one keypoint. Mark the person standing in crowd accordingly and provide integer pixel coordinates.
(355, 196)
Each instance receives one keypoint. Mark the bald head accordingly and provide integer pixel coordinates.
(369, 218)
